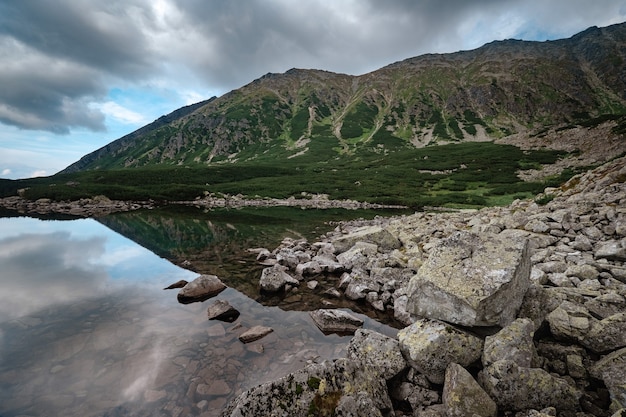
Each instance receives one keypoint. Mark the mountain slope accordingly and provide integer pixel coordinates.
(501, 89)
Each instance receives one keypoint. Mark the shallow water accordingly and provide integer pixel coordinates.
(86, 329)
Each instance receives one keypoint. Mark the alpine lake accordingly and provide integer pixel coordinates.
(86, 328)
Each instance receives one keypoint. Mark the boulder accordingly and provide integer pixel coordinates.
(429, 346)
(275, 278)
(335, 321)
(358, 255)
(570, 321)
(517, 388)
(369, 234)
(223, 311)
(614, 250)
(200, 289)
(607, 334)
(341, 387)
(462, 396)
(379, 351)
(255, 333)
(472, 280)
(612, 370)
(514, 342)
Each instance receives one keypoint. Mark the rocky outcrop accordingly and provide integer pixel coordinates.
(538, 332)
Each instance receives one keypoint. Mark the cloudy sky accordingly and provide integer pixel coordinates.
(78, 74)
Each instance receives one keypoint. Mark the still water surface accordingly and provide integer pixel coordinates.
(86, 329)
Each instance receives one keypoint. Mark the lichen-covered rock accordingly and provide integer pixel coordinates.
(430, 346)
(462, 396)
(275, 278)
(614, 250)
(472, 280)
(514, 342)
(370, 234)
(379, 351)
(516, 388)
(570, 321)
(612, 370)
(318, 389)
(200, 289)
(607, 334)
(335, 321)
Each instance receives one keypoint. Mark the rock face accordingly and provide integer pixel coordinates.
(472, 280)
(335, 321)
(200, 289)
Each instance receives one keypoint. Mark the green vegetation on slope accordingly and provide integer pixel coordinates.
(464, 174)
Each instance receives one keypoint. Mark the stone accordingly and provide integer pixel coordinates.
(606, 305)
(309, 268)
(613, 250)
(340, 387)
(607, 334)
(516, 388)
(369, 234)
(200, 289)
(329, 263)
(583, 272)
(255, 333)
(335, 321)
(612, 370)
(472, 280)
(570, 321)
(462, 396)
(379, 351)
(274, 279)
(429, 346)
(312, 284)
(223, 311)
(514, 343)
(177, 284)
(358, 255)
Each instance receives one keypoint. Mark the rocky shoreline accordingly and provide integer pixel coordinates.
(517, 310)
(101, 205)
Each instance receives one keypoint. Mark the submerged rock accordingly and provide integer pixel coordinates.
(200, 289)
(472, 280)
(255, 333)
(177, 284)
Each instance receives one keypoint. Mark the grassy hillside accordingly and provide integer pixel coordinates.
(466, 174)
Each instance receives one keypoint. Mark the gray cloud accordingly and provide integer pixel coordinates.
(60, 56)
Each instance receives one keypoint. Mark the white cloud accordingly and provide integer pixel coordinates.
(121, 113)
(6, 171)
(39, 173)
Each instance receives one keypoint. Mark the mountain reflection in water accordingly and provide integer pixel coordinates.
(86, 329)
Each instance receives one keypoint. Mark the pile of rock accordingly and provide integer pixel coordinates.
(520, 309)
(85, 207)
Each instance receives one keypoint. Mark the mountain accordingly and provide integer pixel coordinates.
(502, 90)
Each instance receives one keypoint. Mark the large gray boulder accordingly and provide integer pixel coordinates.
(200, 289)
(379, 351)
(519, 388)
(472, 280)
(429, 346)
(342, 387)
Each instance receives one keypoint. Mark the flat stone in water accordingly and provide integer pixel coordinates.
(255, 333)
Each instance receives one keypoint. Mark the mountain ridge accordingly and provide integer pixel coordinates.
(502, 88)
